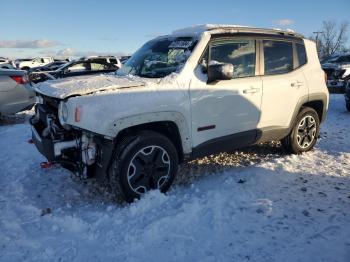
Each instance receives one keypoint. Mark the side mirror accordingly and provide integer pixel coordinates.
(220, 72)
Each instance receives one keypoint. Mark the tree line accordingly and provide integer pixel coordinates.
(331, 38)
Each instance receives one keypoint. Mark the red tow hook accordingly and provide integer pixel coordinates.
(30, 141)
(46, 165)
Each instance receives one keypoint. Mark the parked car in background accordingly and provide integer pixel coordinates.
(337, 69)
(6, 63)
(198, 91)
(38, 61)
(4, 60)
(49, 67)
(7, 66)
(15, 92)
(82, 66)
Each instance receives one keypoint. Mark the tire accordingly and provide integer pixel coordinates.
(348, 106)
(305, 132)
(144, 161)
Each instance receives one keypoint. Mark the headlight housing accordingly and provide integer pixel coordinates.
(63, 113)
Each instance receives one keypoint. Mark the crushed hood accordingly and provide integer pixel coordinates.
(65, 87)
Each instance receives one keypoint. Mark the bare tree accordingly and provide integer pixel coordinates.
(331, 38)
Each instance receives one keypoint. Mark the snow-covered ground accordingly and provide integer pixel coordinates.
(252, 205)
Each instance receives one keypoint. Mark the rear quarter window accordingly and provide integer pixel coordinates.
(278, 57)
(301, 54)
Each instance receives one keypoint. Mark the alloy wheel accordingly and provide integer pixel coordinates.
(307, 129)
(148, 169)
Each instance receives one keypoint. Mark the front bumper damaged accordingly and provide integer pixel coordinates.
(73, 149)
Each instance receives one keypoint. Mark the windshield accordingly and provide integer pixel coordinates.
(159, 58)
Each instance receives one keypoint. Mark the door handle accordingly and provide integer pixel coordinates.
(251, 90)
(297, 84)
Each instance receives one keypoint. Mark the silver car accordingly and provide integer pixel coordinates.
(15, 92)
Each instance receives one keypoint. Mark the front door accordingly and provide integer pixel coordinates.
(226, 108)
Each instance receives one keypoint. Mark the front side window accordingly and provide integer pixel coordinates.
(278, 57)
(240, 53)
(159, 58)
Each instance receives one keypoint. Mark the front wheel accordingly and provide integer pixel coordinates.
(305, 132)
(143, 162)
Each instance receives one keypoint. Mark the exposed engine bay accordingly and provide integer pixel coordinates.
(74, 149)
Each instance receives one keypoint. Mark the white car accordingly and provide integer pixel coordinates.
(36, 62)
(198, 91)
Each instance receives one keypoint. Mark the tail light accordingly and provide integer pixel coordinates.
(325, 77)
(21, 80)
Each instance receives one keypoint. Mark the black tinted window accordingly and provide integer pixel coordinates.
(301, 54)
(278, 57)
(343, 59)
(239, 53)
(113, 61)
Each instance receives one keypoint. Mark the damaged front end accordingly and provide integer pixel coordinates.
(84, 153)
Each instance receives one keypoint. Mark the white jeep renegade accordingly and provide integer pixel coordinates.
(198, 91)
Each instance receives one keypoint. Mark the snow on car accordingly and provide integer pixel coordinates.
(253, 205)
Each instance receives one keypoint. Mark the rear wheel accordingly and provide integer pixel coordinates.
(304, 134)
(143, 162)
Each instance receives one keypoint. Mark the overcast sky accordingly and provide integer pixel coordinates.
(81, 27)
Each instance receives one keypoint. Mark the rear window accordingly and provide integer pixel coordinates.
(301, 54)
(278, 57)
(113, 61)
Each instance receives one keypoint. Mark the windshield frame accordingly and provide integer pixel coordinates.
(168, 46)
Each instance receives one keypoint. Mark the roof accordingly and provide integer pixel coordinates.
(223, 28)
(97, 56)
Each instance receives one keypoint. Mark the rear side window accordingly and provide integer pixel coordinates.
(301, 54)
(278, 57)
(239, 53)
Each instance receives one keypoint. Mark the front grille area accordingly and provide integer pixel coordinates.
(51, 102)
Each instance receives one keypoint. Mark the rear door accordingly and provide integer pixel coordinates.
(283, 81)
